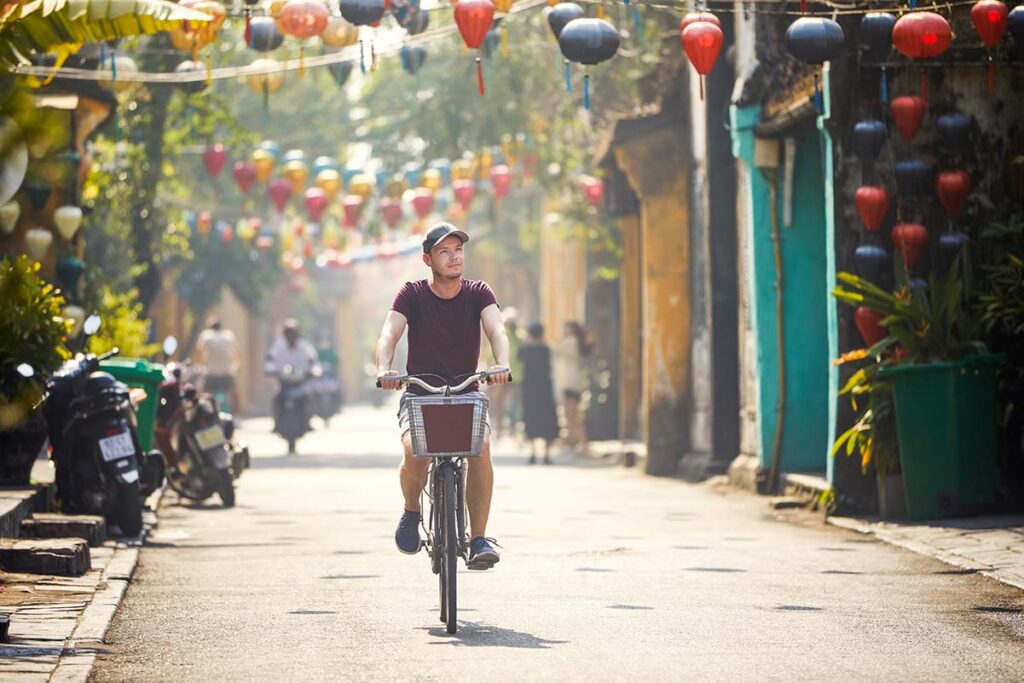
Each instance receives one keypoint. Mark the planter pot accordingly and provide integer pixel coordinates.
(19, 448)
(946, 425)
(892, 503)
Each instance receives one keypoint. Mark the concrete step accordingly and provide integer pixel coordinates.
(55, 556)
(16, 505)
(91, 528)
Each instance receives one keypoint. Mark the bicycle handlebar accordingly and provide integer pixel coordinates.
(406, 380)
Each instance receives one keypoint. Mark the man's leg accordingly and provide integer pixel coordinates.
(479, 486)
(412, 475)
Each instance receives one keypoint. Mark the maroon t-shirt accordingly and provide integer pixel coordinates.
(444, 334)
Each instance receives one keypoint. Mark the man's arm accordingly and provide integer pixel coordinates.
(494, 328)
(394, 328)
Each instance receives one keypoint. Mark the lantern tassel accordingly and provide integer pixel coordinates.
(638, 24)
(480, 77)
(600, 11)
(362, 59)
(209, 72)
(586, 91)
(103, 55)
(924, 87)
(817, 94)
(991, 74)
(373, 56)
(504, 40)
(266, 96)
(700, 79)
(302, 62)
(248, 29)
(568, 76)
(885, 86)
(803, 6)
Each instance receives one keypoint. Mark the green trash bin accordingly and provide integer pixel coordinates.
(145, 375)
(946, 423)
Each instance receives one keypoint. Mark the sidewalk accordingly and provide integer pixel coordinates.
(991, 546)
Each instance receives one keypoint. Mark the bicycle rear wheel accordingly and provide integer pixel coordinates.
(451, 548)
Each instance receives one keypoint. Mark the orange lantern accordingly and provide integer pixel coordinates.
(193, 36)
(361, 185)
(297, 173)
(263, 161)
(329, 180)
(339, 33)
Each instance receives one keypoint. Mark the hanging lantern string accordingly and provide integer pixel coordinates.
(480, 76)
(568, 76)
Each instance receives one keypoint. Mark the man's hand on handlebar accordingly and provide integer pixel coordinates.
(391, 384)
(499, 374)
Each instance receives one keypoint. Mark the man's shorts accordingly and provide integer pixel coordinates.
(403, 410)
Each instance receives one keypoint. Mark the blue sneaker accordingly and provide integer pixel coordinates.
(407, 535)
(483, 553)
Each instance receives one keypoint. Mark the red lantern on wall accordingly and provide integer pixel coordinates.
(464, 191)
(593, 189)
(908, 111)
(501, 179)
(352, 205)
(872, 204)
(280, 190)
(702, 41)
(204, 221)
(990, 18)
(869, 324)
(316, 202)
(474, 19)
(214, 158)
(909, 239)
(391, 211)
(952, 188)
(922, 35)
(423, 202)
(244, 173)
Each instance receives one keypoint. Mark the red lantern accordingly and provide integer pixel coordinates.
(990, 18)
(872, 204)
(307, 251)
(922, 35)
(952, 188)
(474, 19)
(203, 222)
(702, 41)
(464, 189)
(593, 189)
(245, 176)
(391, 211)
(694, 17)
(909, 112)
(280, 190)
(909, 239)
(501, 179)
(303, 18)
(352, 205)
(227, 234)
(316, 202)
(214, 158)
(423, 202)
(869, 323)
(264, 242)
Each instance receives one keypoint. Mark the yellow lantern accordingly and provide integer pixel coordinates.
(297, 174)
(329, 180)
(264, 163)
(504, 6)
(462, 170)
(483, 164)
(287, 240)
(340, 33)
(244, 229)
(194, 35)
(362, 185)
(275, 7)
(265, 76)
(395, 186)
(432, 179)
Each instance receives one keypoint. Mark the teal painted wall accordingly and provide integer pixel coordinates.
(805, 305)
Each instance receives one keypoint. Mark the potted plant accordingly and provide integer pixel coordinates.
(943, 387)
(34, 333)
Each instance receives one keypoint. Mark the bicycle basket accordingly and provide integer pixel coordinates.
(447, 426)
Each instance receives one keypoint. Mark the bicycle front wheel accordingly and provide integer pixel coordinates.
(451, 549)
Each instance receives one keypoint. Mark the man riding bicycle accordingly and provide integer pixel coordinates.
(444, 315)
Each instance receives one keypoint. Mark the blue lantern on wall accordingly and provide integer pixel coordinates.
(954, 130)
(876, 32)
(413, 58)
(814, 40)
(914, 178)
(873, 263)
(868, 139)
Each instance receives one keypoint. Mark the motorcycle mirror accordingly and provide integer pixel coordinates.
(26, 370)
(92, 325)
(170, 345)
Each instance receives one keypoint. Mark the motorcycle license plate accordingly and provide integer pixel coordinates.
(117, 446)
(211, 437)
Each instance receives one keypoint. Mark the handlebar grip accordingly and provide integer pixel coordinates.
(112, 352)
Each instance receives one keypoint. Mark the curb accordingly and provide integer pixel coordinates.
(953, 559)
(79, 654)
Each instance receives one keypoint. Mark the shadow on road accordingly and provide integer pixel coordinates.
(474, 634)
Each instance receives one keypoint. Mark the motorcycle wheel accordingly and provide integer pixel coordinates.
(226, 488)
(127, 513)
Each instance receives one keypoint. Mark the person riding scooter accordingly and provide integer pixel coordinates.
(293, 361)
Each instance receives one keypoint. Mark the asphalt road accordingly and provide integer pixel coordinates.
(606, 575)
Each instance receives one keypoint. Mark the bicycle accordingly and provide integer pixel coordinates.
(449, 428)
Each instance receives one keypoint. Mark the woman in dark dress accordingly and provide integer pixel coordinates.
(538, 397)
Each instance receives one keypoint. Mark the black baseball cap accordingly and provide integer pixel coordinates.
(438, 233)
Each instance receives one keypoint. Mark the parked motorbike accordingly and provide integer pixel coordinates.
(203, 455)
(94, 445)
(291, 405)
(326, 393)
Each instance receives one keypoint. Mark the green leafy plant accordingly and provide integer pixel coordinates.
(873, 435)
(123, 326)
(34, 333)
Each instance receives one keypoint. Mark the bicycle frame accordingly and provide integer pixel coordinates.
(433, 493)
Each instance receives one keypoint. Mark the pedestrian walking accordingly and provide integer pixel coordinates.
(539, 416)
(217, 349)
(570, 357)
